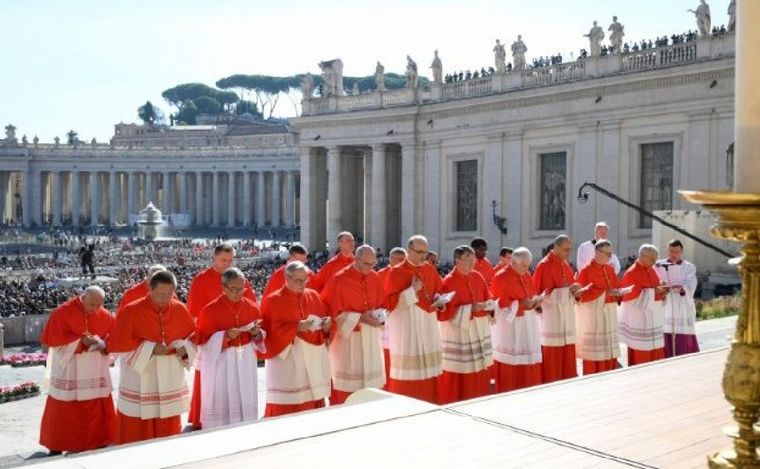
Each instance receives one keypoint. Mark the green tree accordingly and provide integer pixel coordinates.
(244, 106)
(265, 88)
(207, 105)
(187, 113)
(179, 94)
(150, 114)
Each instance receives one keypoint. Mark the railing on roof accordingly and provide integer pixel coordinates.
(713, 47)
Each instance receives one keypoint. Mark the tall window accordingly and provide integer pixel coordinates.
(466, 208)
(656, 186)
(553, 171)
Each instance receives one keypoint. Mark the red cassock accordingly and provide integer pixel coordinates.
(92, 419)
(459, 386)
(223, 314)
(485, 268)
(205, 288)
(601, 278)
(641, 277)
(277, 281)
(281, 315)
(558, 362)
(398, 280)
(509, 286)
(350, 291)
(133, 293)
(337, 263)
(136, 292)
(140, 321)
(382, 274)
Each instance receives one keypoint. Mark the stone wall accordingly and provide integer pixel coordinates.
(24, 329)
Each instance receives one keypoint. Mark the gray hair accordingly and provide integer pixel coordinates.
(602, 243)
(417, 239)
(648, 249)
(155, 268)
(233, 273)
(294, 267)
(94, 290)
(363, 249)
(343, 234)
(562, 239)
(397, 251)
(522, 254)
(601, 224)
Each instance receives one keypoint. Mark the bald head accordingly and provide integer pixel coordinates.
(366, 259)
(93, 298)
(397, 256)
(418, 249)
(562, 246)
(346, 243)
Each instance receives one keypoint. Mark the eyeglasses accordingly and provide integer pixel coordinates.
(607, 253)
(234, 289)
(419, 252)
(368, 264)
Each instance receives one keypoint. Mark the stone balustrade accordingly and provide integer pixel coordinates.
(714, 47)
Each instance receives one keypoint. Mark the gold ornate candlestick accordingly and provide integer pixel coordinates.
(739, 220)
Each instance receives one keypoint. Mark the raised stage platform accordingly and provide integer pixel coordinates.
(664, 414)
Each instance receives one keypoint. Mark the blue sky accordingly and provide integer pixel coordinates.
(88, 64)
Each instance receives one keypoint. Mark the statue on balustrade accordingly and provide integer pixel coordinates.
(616, 37)
(307, 86)
(411, 73)
(518, 54)
(437, 67)
(332, 74)
(595, 37)
(732, 16)
(500, 57)
(355, 90)
(10, 135)
(380, 76)
(703, 18)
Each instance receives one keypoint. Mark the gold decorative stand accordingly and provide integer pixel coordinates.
(739, 220)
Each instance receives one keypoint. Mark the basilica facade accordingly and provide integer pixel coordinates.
(502, 156)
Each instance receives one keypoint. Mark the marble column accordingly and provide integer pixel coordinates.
(167, 193)
(215, 199)
(94, 198)
(4, 175)
(182, 180)
(335, 216)
(246, 198)
(148, 190)
(276, 205)
(57, 197)
(260, 210)
(290, 199)
(131, 194)
(308, 212)
(231, 199)
(35, 197)
(113, 198)
(377, 236)
(408, 196)
(199, 209)
(76, 198)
